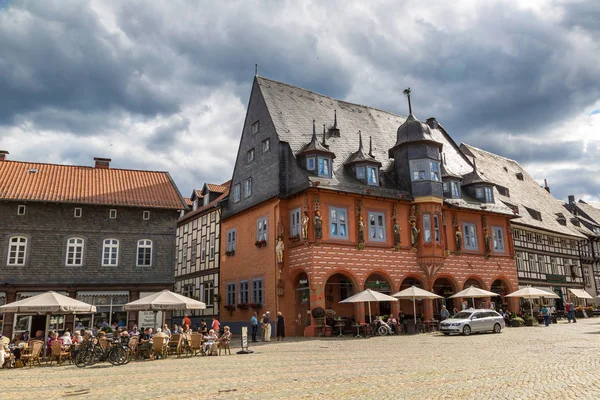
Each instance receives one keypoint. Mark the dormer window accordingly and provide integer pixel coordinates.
(205, 199)
(425, 170)
(360, 173)
(324, 167)
(373, 176)
(452, 189)
(485, 194)
(310, 163)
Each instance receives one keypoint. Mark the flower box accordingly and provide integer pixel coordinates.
(260, 243)
(256, 306)
(295, 239)
(230, 253)
(229, 307)
(242, 306)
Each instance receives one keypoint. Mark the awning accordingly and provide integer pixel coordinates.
(104, 293)
(580, 293)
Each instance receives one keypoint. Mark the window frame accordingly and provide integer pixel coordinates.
(230, 294)
(295, 222)
(376, 226)
(77, 244)
(375, 170)
(311, 160)
(255, 127)
(495, 240)
(426, 221)
(248, 188)
(77, 212)
(17, 244)
(260, 289)
(326, 161)
(203, 249)
(244, 293)
(144, 244)
(455, 185)
(250, 156)
(488, 193)
(336, 220)
(429, 170)
(467, 235)
(110, 246)
(237, 191)
(211, 247)
(231, 240)
(436, 228)
(208, 288)
(266, 145)
(112, 213)
(146, 215)
(262, 229)
(21, 209)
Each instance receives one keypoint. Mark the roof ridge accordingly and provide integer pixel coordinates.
(81, 166)
(490, 153)
(332, 98)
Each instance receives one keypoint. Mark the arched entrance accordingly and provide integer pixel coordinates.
(445, 288)
(381, 284)
(302, 302)
(500, 287)
(473, 282)
(339, 287)
(406, 306)
(479, 302)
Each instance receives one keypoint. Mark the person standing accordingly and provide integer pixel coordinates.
(186, 321)
(216, 325)
(267, 326)
(444, 314)
(254, 322)
(263, 329)
(572, 311)
(280, 326)
(546, 315)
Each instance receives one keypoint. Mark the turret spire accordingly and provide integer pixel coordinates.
(324, 143)
(407, 93)
(314, 135)
(360, 146)
(371, 147)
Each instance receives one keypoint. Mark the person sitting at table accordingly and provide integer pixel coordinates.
(393, 323)
(39, 335)
(225, 337)
(25, 336)
(76, 339)
(175, 329)
(16, 345)
(166, 330)
(4, 354)
(145, 344)
(209, 341)
(134, 332)
(66, 339)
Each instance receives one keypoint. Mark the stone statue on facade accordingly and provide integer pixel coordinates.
(486, 239)
(414, 233)
(459, 239)
(361, 229)
(279, 250)
(305, 221)
(318, 222)
(396, 233)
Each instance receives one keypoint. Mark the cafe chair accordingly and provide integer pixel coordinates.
(159, 347)
(132, 348)
(175, 344)
(32, 354)
(225, 345)
(196, 344)
(58, 354)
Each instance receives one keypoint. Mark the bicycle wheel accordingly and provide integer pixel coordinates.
(80, 360)
(117, 356)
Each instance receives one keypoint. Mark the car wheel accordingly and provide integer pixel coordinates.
(467, 330)
(497, 328)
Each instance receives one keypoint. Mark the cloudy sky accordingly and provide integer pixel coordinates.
(164, 85)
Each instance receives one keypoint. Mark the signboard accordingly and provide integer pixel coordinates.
(244, 337)
(146, 320)
(556, 278)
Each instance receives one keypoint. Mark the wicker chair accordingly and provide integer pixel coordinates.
(159, 347)
(132, 345)
(175, 344)
(196, 344)
(224, 343)
(32, 354)
(58, 353)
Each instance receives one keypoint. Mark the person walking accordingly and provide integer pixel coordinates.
(546, 315)
(572, 311)
(568, 311)
(254, 322)
(216, 325)
(280, 326)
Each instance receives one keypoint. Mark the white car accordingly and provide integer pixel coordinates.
(473, 320)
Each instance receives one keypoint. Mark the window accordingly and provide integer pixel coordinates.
(295, 227)
(231, 240)
(427, 228)
(184, 258)
(376, 226)
(360, 172)
(193, 252)
(206, 199)
(21, 210)
(144, 253)
(195, 205)
(250, 156)
(262, 229)
(112, 214)
(498, 239)
(553, 265)
(373, 176)
(110, 252)
(310, 163)
(77, 212)
(470, 235)
(74, 252)
(541, 264)
(203, 249)
(324, 167)
(248, 187)
(535, 214)
(489, 194)
(425, 169)
(418, 168)
(230, 294)
(255, 127)
(204, 219)
(257, 291)
(211, 251)
(244, 292)
(213, 216)
(519, 176)
(266, 145)
(446, 187)
(455, 186)
(146, 215)
(209, 293)
(17, 250)
(236, 193)
(434, 168)
(436, 228)
(338, 223)
(503, 191)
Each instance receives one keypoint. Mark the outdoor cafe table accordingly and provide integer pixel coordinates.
(340, 324)
(358, 328)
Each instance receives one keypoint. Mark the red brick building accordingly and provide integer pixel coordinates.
(408, 208)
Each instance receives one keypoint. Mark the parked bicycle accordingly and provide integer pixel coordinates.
(92, 352)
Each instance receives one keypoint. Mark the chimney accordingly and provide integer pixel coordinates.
(571, 199)
(546, 186)
(102, 162)
(432, 122)
(3, 154)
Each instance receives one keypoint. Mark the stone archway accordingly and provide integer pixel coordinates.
(502, 288)
(444, 287)
(339, 286)
(473, 281)
(302, 305)
(479, 302)
(380, 283)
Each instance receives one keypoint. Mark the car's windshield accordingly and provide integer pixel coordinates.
(462, 315)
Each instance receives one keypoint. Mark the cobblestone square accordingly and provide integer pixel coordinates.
(556, 362)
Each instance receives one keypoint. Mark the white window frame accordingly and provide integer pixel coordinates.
(236, 193)
(248, 188)
(250, 156)
(427, 228)
(21, 209)
(108, 244)
(498, 239)
(112, 214)
(262, 229)
(143, 244)
(77, 212)
(455, 189)
(75, 246)
(425, 169)
(266, 145)
(208, 292)
(17, 245)
(311, 164)
(255, 127)
(376, 221)
(470, 236)
(325, 161)
(295, 222)
(203, 249)
(488, 194)
(373, 172)
(232, 239)
(146, 215)
(335, 220)
(434, 169)
(211, 247)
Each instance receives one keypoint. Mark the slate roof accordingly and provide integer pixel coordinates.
(592, 212)
(412, 131)
(523, 193)
(29, 181)
(213, 204)
(359, 156)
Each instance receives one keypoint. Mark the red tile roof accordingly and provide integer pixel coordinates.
(199, 193)
(188, 201)
(218, 188)
(207, 207)
(27, 181)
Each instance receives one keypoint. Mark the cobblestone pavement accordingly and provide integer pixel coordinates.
(556, 362)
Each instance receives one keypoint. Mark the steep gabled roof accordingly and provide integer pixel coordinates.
(218, 188)
(204, 209)
(525, 193)
(592, 212)
(29, 181)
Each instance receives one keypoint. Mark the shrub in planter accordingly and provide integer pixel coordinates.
(243, 306)
(530, 321)
(516, 321)
(229, 307)
(318, 312)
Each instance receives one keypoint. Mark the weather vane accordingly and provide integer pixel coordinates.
(407, 94)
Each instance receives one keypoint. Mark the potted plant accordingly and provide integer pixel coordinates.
(230, 253)
(229, 307)
(260, 243)
(530, 321)
(589, 310)
(255, 306)
(516, 321)
(243, 306)
(579, 312)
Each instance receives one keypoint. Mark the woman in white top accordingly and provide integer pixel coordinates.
(66, 339)
(209, 340)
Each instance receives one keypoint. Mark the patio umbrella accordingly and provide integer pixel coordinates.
(474, 292)
(368, 296)
(164, 300)
(48, 303)
(415, 293)
(532, 293)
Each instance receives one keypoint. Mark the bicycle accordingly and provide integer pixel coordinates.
(92, 352)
